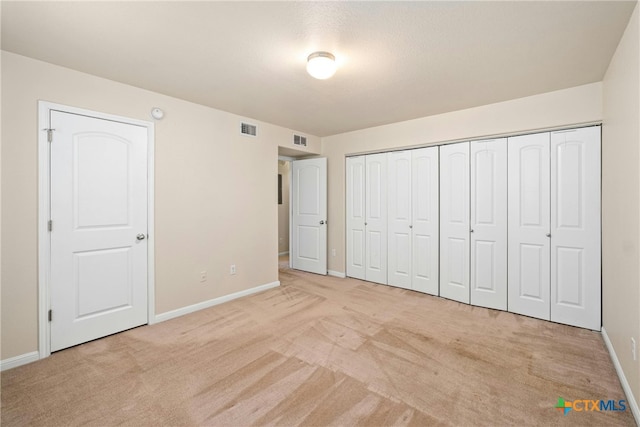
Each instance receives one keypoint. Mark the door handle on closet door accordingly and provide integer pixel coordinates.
(548, 234)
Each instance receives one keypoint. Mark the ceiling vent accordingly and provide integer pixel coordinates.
(299, 140)
(248, 129)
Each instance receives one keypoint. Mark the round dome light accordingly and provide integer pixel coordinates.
(321, 65)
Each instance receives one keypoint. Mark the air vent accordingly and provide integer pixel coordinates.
(248, 129)
(299, 140)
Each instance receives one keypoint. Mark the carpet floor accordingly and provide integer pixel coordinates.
(323, 351)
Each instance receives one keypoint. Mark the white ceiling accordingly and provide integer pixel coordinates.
(397, 60)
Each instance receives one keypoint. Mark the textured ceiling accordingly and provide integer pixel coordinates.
(397, 60)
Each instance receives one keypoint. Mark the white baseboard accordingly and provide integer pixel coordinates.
(336, 274)
(212, 302)
(283, 253)
(631, 400)
(23, 359)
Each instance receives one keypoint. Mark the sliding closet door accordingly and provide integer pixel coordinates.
(376, 218)
(355, 217)
(489, 223)
(424, 189)
(454, 221)
(399, 219)
(575, 227)
(529, 225)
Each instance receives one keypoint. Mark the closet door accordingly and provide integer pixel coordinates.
(355, 217)
(454, 221)
(489, 223)
(399, 221)
(529, 225)
(575, 227)
(376, 218)
(424, 190)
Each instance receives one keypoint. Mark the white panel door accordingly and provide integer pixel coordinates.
(489, 223)
(399, 219)
(355, 217)
(309, 215)
(98, 242)
(424, 189)
(575, 227)
(529, 225)
(454, 221)
(376, 218)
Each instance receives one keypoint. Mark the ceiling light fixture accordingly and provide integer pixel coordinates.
(321, 65)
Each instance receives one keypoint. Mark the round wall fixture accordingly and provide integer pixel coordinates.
(157, 113)
(321, 65)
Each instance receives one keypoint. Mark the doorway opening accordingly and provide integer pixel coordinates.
(284, 211)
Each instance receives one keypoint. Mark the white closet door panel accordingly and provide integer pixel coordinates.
(399, 220)
(355, 199)
(529, 225)
(454, 221)
(575, 227)
(376, 218)
(425, 214)
(489, 223)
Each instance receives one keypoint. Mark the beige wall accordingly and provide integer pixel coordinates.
(621, 201)
(571, 106)
(211, 184)
(283, 209)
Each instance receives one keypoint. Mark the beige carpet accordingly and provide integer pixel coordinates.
(323, 351)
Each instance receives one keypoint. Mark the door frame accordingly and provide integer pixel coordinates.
(44, 212)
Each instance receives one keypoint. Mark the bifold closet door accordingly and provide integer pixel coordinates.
(376, 218)
(489, 223)
(454, 221)
(424, 190)
(529, 225)
(575, 227)
(355, 209)
(399, 218)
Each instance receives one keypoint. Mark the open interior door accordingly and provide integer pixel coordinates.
(309, 215)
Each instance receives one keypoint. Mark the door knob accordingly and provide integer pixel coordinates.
(321, 222)
(411, 226)
(471, 230)
(140, 236)
(548, 234)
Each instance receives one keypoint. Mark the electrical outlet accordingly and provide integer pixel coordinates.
(634, 350)
(203, 276)
(232, 269)
(333, 252)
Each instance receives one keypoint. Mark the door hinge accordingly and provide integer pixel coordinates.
(50, 225)
(49, 134)
(50, 315)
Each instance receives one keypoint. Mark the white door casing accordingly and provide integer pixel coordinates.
(376, 218)
(309, 215)
(529, 225)
(489, 223)
(99, 199)
(399, 219)
(454, 221)
(575, 227)
(425, 209)
(355, 209)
